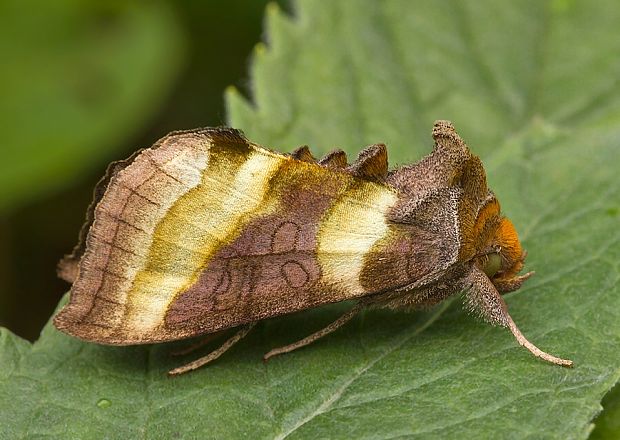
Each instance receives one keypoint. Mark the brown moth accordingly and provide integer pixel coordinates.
(206, 231)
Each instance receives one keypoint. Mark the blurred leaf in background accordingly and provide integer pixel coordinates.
(85, 83)
(77, 79)
(533, 88)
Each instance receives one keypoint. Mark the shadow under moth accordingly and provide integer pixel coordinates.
(207, 231)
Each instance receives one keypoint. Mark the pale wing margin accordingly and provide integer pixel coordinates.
(136, 197)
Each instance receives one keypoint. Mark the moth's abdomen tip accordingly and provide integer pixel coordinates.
(67, 268)
(442, 128)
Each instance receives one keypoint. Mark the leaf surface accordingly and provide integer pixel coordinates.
(608, 422)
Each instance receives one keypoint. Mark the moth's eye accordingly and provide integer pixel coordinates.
(492, 264)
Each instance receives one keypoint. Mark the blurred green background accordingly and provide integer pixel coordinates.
(85, 83)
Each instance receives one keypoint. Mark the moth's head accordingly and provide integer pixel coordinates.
(498, 250)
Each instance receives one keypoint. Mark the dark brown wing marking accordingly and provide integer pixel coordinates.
(295, 274)
(303, 153)
(270, 268)
(336, 159)
(285, 237)
(371, 164)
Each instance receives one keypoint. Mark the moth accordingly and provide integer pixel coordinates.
(207, 231)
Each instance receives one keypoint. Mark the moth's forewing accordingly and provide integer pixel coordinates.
(134, 201)
(206, 231)
(68, 266)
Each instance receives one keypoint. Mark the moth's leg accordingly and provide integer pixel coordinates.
(483, 298)
(505, 286)
(215, 353)
(198, 344)
(346, 317)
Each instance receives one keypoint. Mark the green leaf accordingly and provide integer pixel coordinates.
(608, 423)
(87, 76)
(532, 87)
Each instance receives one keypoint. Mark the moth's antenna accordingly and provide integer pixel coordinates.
(532, 348)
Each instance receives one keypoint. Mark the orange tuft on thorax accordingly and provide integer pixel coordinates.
(508, 240)
(494, 233)
(484, 228)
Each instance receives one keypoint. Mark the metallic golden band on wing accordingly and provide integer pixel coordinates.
(195, 227)
(349, 230)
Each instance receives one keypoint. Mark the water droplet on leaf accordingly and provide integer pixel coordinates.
(104, 403)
